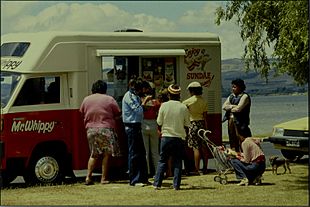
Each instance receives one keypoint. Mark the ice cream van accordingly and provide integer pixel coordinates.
(45, 76)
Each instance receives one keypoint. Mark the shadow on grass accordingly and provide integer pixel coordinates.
(235, 182)
(198, 188)
(17, 185)
(169, 186)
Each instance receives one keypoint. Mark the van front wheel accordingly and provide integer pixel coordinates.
(44, 169)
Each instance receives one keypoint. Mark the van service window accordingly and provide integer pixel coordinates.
(41, 90)
(14, 49)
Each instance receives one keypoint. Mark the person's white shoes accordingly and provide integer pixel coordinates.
(244, 182)
(140, 184)
(156, 188)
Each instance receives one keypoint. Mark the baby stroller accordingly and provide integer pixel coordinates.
(220, 155)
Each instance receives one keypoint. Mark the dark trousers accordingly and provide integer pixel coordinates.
(174, 147)
(249, 171)
(136, 155)
(233, 132)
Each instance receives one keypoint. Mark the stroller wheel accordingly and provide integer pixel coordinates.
(217, 178)
(224, 177)
(223, 181)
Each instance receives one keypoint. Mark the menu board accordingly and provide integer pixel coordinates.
(160, 71)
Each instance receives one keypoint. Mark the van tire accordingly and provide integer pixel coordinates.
(45, 169)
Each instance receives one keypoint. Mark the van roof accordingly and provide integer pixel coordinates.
(66, 51)
(95, 35)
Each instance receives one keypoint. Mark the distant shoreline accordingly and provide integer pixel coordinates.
(281, 94)
(278, 94)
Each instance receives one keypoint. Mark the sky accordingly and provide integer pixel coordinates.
(106, 16)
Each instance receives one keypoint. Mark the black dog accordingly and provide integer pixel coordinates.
(276, 162)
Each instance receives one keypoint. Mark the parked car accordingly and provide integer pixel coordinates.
(292, 138)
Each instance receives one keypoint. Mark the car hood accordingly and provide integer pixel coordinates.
(297, 124)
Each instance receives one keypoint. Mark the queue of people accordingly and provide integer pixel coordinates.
(157, 139)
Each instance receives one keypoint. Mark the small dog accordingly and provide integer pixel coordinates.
(276, 162)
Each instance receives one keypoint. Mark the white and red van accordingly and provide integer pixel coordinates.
(45, 76)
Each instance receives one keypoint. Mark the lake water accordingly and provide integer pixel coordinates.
(267, 111)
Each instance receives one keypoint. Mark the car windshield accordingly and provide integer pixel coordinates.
(9, 81)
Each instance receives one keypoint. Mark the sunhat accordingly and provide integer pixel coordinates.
(176, 90)
(194, 84)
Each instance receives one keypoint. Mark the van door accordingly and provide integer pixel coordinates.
(39, 123)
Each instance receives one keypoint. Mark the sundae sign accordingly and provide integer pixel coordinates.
(195, 62)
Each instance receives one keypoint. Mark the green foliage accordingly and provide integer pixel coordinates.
(282, 25)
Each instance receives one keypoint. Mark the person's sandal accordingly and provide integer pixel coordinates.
(89, 182)
(103, 182)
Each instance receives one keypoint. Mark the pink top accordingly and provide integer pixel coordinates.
(99, 111)
(251, 150)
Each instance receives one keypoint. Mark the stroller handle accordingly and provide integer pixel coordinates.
(202, 133)
(205, 132)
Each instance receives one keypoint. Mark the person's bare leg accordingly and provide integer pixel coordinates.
(90, 168)
(205, 157)
(197, 160)
(105, 168)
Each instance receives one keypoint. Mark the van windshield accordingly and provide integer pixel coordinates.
(9, 81)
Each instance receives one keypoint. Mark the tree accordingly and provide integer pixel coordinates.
(282, 25)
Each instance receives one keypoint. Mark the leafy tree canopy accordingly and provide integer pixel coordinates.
(281, 24)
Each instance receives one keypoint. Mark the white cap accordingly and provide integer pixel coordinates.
(194, 85)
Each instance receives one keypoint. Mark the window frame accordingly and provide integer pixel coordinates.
(25, 79)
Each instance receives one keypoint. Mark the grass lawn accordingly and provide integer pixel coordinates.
(276, 190)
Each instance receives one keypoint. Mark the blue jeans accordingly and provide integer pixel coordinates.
(249, 171)
(136, 155)
(170, 146)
